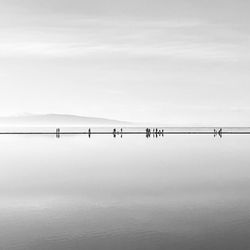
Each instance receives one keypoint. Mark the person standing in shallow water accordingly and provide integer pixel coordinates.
(149, 132)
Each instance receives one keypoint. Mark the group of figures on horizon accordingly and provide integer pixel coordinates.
(155, 132)
(116, 132)
(219, 132)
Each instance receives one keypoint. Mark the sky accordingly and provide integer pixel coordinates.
(174, 62)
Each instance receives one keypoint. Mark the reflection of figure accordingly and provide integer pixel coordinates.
(114, 132)
(156, 132)
(121, 132)
(58, 132)
(220, 132)
(89, 132)
(215, 132)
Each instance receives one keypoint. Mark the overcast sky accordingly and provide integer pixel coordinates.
(178, 62)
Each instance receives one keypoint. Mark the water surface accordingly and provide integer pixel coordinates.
(176, 192)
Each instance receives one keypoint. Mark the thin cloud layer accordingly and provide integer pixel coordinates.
(98, 37)
(130, 60)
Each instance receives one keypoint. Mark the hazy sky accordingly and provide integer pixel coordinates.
(179, 62)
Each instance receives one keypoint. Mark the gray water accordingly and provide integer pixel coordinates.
(176, 192)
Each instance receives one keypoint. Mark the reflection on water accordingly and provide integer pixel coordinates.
(176, 192)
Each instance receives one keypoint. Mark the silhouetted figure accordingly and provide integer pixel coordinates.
(89, 132)
(220, 132)
(121, 132)
(215, 132)
(163, 132)
(114, 132)
(58, 133)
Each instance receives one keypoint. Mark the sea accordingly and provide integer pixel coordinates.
(128, 192)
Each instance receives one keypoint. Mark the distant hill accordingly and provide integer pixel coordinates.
(57, 119)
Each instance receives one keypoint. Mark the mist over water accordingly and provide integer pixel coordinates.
(172, 192)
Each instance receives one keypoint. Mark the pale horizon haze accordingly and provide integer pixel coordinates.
(179, 62)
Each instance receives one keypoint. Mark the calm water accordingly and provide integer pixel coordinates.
(176, 192)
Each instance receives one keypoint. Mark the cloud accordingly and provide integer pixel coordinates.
(77, 37)
(178, 50)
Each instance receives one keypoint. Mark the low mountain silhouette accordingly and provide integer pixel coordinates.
(57, 119)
